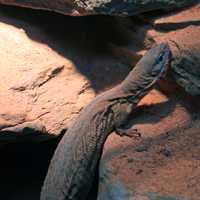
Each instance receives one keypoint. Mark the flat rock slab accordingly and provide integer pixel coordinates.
(106, 7)
(43, 85)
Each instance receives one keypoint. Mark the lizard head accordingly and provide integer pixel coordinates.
(156, 61)
(147, 72)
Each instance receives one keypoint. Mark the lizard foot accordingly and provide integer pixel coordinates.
(133, 133)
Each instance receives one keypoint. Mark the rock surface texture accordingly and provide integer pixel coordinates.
(45, 85)
(162, 164)
(53, 65)
(182, 32)
(155, 167)
(107, 7)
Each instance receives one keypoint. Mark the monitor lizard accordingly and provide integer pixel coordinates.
(72, 168)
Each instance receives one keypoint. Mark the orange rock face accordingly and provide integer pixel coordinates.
(45, 81)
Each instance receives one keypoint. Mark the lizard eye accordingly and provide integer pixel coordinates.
(160, 58)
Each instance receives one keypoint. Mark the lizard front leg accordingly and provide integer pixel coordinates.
(132, 133)
(122, 109)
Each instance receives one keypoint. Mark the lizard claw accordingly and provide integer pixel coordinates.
(132, 133)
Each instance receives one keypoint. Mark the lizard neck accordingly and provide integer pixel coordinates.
(138, 83)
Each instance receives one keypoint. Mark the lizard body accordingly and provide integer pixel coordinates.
(73, 165)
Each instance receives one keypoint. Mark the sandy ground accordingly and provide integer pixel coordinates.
(165, 160)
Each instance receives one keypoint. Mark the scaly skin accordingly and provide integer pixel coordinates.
(73, 166)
